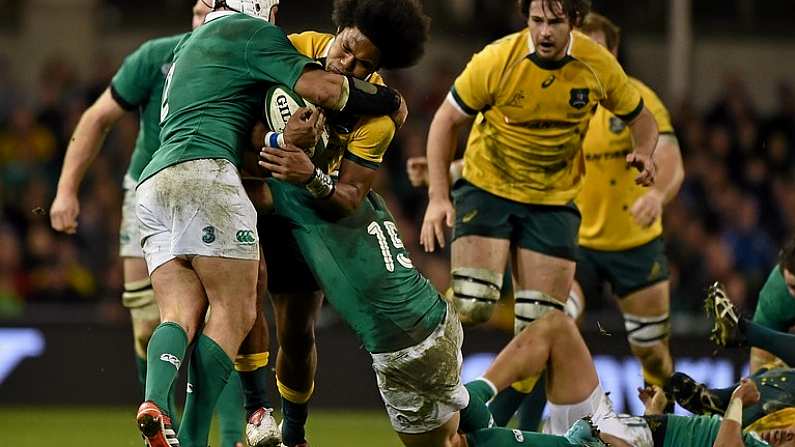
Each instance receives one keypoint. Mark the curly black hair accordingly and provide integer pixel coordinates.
(575, 10)
(398, 28)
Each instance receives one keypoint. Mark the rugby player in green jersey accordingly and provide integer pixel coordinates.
(198, 228)
(137, 86)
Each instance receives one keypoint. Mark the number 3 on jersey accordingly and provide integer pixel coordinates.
(166, 89)
(389, 262)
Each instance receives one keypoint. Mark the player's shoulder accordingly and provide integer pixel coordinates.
(313, 44)
(162, 48)
(649, 96)
(506, 47)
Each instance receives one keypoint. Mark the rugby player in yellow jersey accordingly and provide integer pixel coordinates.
(621, 230)
(530, 97)
(371, 34)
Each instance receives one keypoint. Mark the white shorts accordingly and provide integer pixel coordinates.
(421, 385)
(197, 207)
(129, 236)
(632, 429)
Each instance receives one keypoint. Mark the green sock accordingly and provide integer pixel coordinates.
(208, 375)
(777, 343)
(231, 414)
(476, 415)
(505, 404)
(140, 366)
(255, 389)
(164, 356)
(499, 436)
(172, 407)
(532, 408)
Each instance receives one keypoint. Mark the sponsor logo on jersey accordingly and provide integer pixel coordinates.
(170, 358)
(656, 270)
(245, 237)
(516, 100)
(208, 234)
(579, 97)
(548, 81)
(617, 124)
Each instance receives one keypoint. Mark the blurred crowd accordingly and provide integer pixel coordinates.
(736, 206)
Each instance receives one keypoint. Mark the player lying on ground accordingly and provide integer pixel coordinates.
(198, 228)
(553, 343)
(371, 34)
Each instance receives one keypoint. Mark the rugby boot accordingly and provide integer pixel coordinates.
(726, 331)
(262, 429)
(156, 426)
(693, 396)
(584, 433)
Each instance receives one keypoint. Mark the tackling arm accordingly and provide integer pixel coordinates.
(730, 433)
(644, 135)
(86, 141)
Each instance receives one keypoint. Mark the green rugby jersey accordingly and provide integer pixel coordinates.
(776, 306)
(214, 91)
(699, 431)
(364, 269)
(139, 85)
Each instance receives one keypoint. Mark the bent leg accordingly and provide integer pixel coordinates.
(477, 268)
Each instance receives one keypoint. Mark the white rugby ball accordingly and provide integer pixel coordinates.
(280, 104)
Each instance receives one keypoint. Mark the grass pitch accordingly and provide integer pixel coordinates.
(115, 427)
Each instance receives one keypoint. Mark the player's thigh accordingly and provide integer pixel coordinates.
(547, 249)
(571, 375)
(651, 301)
(444, 436)
(230, 284)
(180, 294)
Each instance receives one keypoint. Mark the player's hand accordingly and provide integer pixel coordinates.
(417, 169)
(401, 114)
(304, 128)
(64, 211)
(653, 398)
(645, 165)
(290, 164)
(747, 392)
(647, 208)
(439, 213)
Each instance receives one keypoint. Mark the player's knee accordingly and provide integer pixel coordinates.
(297, 344)
(531, 305)
(475, 293)
(645, 333)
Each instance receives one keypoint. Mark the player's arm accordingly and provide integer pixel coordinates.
(730, 433)
(86, 141)
(760, 358)
(644, 135)
(441, 146)
(654, 400)
(670, 175)
(417, 170)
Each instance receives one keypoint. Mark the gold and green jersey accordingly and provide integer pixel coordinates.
(609, 188)
(531, 115)
(363, 140)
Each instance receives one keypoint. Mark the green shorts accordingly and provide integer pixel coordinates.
(548, 229)
(626, 271)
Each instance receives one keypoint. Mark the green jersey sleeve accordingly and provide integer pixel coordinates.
(132, 84)
(271, 57)
(776, 307)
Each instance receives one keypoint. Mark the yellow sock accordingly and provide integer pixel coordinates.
(653, 379)
(297, 397)
(525, 386)
(251, 362)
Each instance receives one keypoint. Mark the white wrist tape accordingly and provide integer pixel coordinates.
(734, 412)
(274, 140)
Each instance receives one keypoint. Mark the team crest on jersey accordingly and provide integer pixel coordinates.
(617, 124)
(245, 237)
(579, 98)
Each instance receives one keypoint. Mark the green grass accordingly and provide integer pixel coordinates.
(115, 427)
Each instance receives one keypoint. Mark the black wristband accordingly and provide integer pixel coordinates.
(365, 98)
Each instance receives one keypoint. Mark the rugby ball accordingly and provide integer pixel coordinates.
(280, 104)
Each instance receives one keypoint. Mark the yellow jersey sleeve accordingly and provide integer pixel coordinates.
(474, 89)
(311, 43)
(370, 140)
(655, 106)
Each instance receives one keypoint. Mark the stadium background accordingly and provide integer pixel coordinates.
(723, 68)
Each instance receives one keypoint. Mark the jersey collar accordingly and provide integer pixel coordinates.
(217, 15)
(547, 64)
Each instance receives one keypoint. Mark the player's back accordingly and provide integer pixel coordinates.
(215, 88)
(364, 269)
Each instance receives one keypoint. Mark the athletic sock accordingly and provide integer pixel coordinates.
(777, 343)
(253, 371)
(207, 376)
(231, 414)
(498, 437)
(295, 412)
(476, 415)
(140, 367)
(532, 408)
(504, 406)
(164, 356)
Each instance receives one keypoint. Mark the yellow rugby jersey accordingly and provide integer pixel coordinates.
(609, 188)
(364, 141)
(532, 114)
